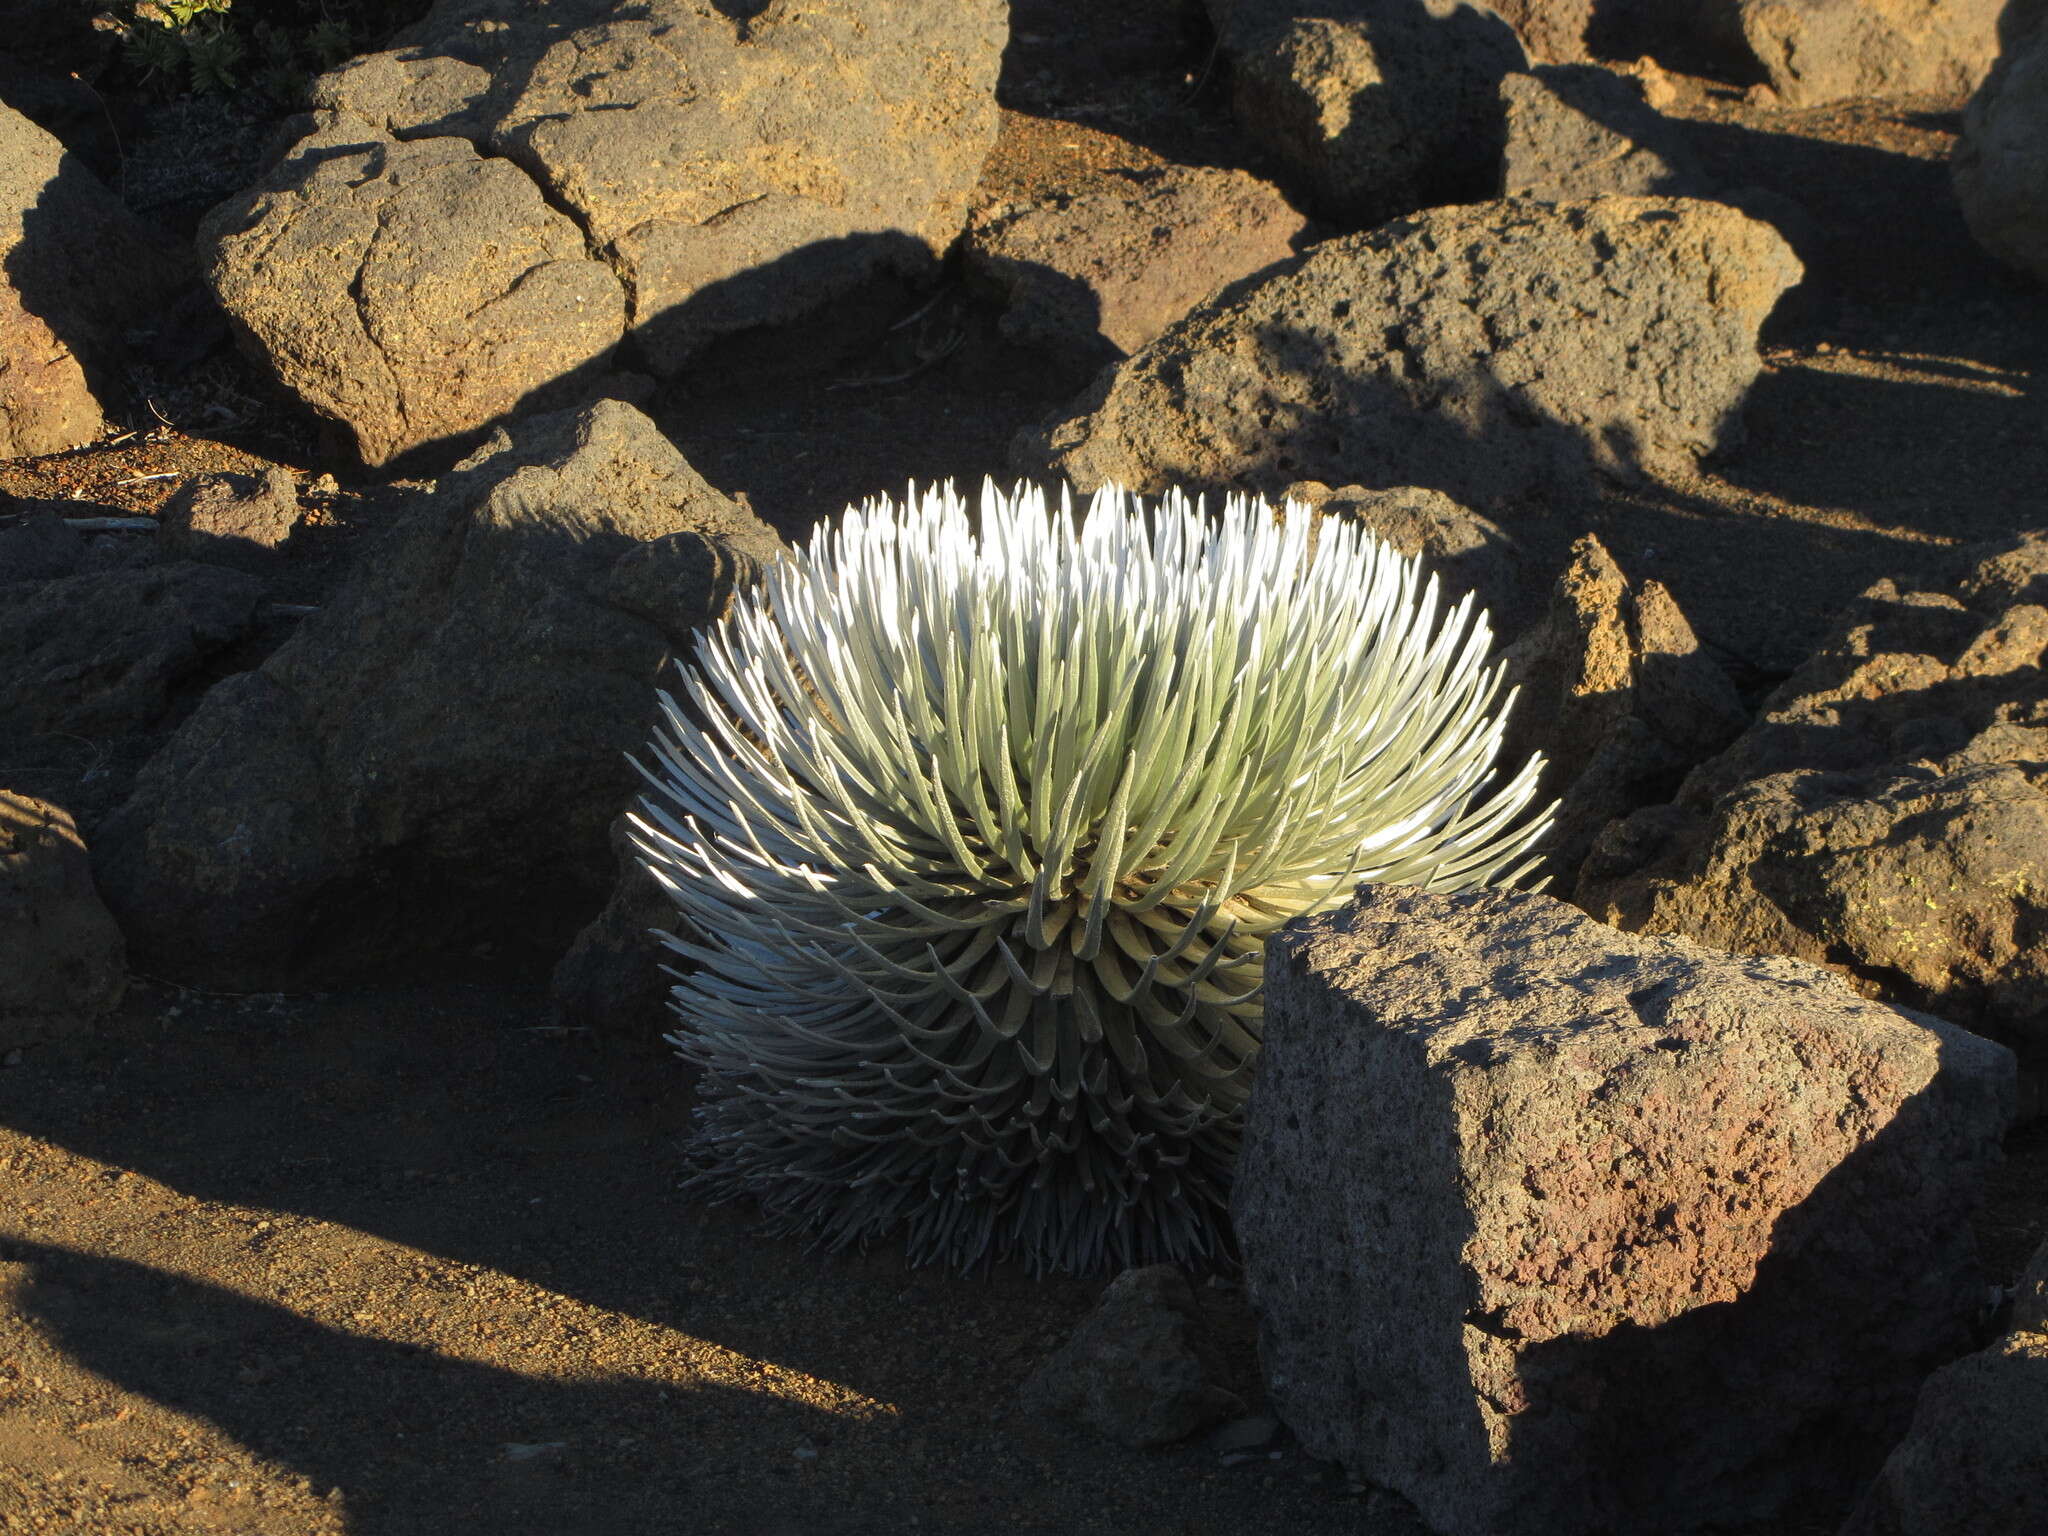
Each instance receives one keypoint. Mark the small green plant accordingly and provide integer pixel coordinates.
(980, 827)
(206, 48)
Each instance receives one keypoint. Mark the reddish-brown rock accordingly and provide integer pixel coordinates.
(75, 268)
(1557, 1229)
(1886, 813)
(1101, 273)
(1615, 691)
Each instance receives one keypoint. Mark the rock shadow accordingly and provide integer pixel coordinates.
(462, 1122)
(445, 1444)
(83, 281)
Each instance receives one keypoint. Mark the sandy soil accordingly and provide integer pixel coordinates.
(413, 1261)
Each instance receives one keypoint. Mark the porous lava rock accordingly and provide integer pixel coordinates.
(76, 268)
(1491, 351)
(1615, 691)
(1815, 51)
(434, 758)
(1887, 811)
(1141, 1369)
(2000, 164)
(478, 214)
(411, 290)
(1373, 107)
(104, 653)
(611, 980)
(1552, 31)
(1578, 130)
(62, 962)
(1099, 273)
(1556, 1229)
(42, 545)
(231, 519)
(1976, 1457)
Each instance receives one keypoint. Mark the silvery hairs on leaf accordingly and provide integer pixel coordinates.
(980, 826)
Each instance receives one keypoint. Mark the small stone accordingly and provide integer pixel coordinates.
(1140, 1369)
(238, 520)
(530, 1451)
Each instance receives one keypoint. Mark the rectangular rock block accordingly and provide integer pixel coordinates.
(1557, 1229)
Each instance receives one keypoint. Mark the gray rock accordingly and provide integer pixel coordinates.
(1577, 130)
(1814, 51)
(1491, 352)
(2000, 166)
(1100, 273)
(1886, 813)
(101, 654)
(436, 755)
(62, 963)
(611, 980)
(1375, 107)
(1469, 553)
(1975, 1460)
(1617, 694)
(229, 519)
(39, 547)
(1555, 1229)
(479, 214)
(1139, 1370)
(75, 269)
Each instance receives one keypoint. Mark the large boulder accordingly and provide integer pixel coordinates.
(1555, 1229)
(76, 269)
(106, 653)
(1975, 1462)
(1887, 812)
(1373, 107)
(2000, 167)
(1099, 273)
(480, 213)
(1577, 130)
(1492, 351)
(1614, 690)
(1814, 51)
(62, 963)
(434, 758)
(412, 291)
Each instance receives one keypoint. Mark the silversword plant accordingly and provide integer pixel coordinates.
(979, 832)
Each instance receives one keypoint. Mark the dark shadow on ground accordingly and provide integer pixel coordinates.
(444, 1445)
(460, 1124)
(462, 1121)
